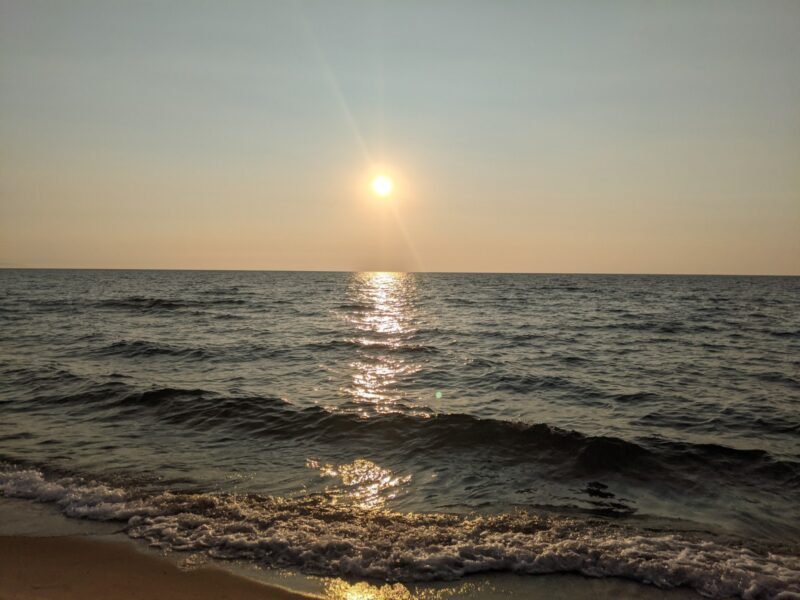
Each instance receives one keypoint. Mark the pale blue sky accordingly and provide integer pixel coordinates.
(523, 136)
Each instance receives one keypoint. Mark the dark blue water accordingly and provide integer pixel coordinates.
(417, 426)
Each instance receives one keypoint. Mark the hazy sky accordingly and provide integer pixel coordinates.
(659, 137)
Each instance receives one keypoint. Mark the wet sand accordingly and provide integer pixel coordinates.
(67, 568)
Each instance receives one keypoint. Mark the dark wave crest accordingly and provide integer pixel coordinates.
(141, 348)
(154, 304)
(142, 303)
(564, 451)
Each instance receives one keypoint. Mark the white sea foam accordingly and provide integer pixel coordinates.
(327, 539)
(76, 498)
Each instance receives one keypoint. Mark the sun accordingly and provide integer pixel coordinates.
(382, 185)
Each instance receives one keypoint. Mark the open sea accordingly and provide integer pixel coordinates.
(417, 427)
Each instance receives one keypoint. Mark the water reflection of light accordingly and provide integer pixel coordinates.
(338, 589)
(383, 313)
(386, 299)
(361, 482)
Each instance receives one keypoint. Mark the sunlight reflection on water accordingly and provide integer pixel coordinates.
(382, 308)
(361, 482)
(384, 313)
(338, 589)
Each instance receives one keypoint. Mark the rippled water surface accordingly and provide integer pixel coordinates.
(417, 426)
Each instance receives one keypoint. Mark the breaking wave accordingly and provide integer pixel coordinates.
(323, 538)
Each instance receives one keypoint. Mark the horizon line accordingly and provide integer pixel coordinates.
(597, 273)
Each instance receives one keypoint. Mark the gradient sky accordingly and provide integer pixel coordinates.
(657, 137)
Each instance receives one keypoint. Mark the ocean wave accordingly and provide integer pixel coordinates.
(565, 451)
(323, 538)
(142, 303)
(785, 333)
(148, 304)
(369, 344)
(663, 327)
(527, 383)
(778, 377)
(43, 377)
(142, 348)
(636, 397)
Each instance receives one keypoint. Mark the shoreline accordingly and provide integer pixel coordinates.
(67, 567)
(45, 555)
(92, 567)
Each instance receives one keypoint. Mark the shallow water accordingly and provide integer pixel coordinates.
(417, 427)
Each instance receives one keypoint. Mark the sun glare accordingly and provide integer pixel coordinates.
(382, 186)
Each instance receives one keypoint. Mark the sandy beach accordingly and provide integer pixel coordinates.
(41, 568)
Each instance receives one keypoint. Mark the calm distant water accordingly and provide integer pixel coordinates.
(417, 426)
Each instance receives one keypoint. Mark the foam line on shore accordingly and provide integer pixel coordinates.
(322, 538)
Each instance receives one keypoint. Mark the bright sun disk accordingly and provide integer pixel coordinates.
(382, 186)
